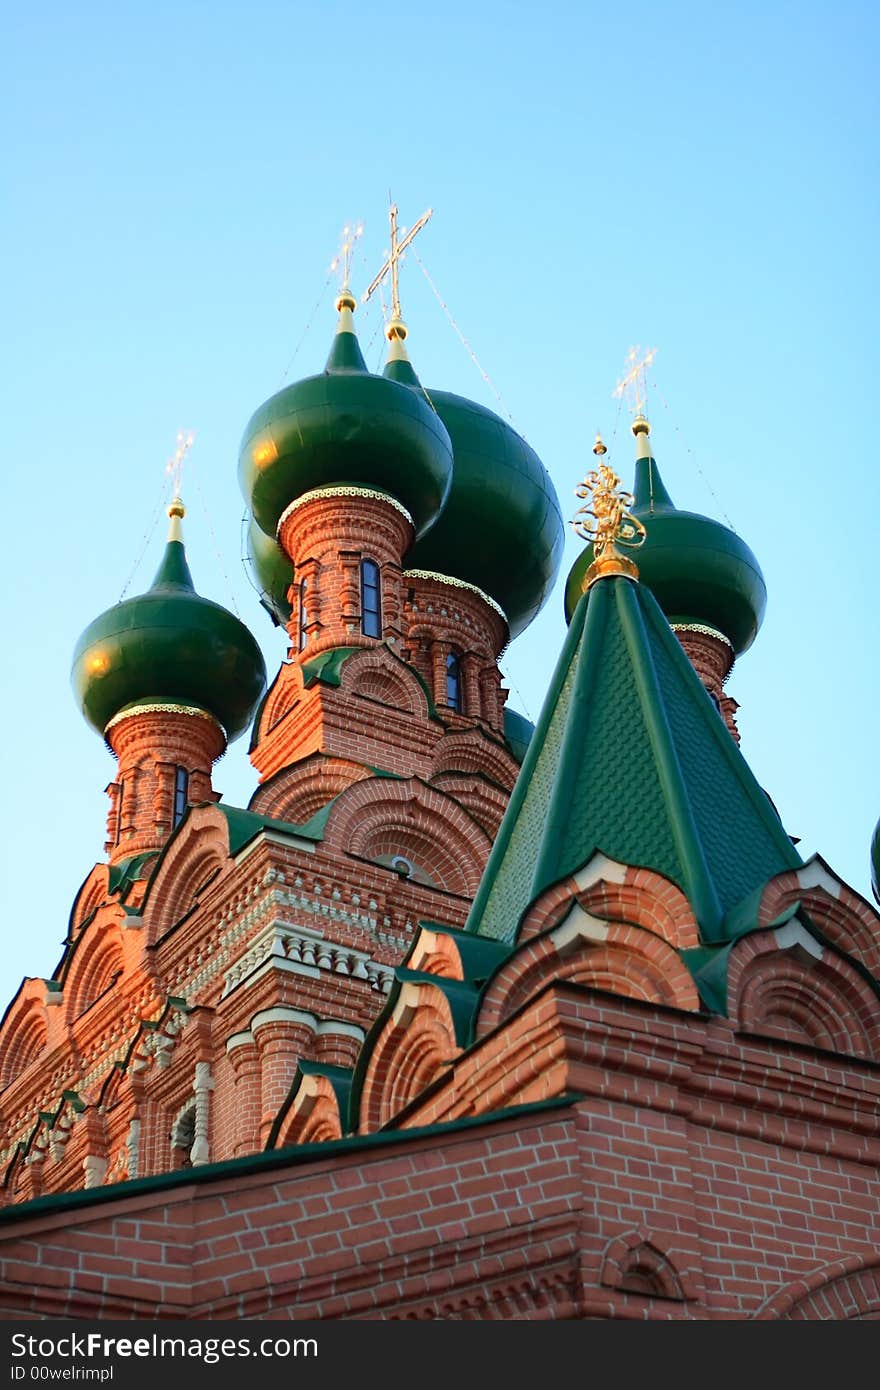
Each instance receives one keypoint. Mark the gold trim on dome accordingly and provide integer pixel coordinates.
(316, 493)
(703, 628)
(163, 707)
(457, 584)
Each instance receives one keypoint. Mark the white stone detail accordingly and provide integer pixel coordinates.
(95, 1170)
(577, 924)
(795, 934)
(337, 1027)
(283, 1013)
(815, 875)
(598, 868)
(303, 951)
(203, 1086)
(134, 1148)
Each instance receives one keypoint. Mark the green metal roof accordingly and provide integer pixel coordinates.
(631, 758)
(245, 825)
(169, 645)
(345, 426)
(698, 570)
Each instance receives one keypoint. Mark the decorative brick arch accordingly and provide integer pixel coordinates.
(617, 893)
(416, 1043)
(637, 1263)
(376, 675)
(193, 856)
(482, 798)
(435, 953)
(612, 956)
(847, 920)
(299, 792)
(470, 751)
(24, 1033)
(99, 961)
(784, 984)
(380, 817)
(94, 891)
(847, 1290)
(285, 691)
(313, 1116)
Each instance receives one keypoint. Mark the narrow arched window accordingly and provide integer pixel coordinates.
(181, 791)
(371, 599)
(453, 682)
(303, 613)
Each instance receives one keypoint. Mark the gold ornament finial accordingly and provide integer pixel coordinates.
(351, 232)
(177, 508)
(599, 446)
(606, 521)
(396, 328)
(634, 384)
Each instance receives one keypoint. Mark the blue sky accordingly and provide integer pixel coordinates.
(700, 179)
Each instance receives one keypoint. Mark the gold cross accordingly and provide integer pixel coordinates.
(636, 381)
(394, 256)
(350, 234)
(174, 466)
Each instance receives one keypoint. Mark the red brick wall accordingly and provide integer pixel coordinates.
(717, 1189)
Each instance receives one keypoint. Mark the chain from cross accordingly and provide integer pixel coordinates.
(392, 264)
(350, 235)
(174, 466)
(606, 519)
(635, 382)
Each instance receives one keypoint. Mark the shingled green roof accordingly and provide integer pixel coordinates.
(631, 758)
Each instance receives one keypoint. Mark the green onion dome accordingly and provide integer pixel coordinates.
(169, 646)
(271, 571)
(700, 572)
(518, 733)
(346, 426)
(501, 528)
(875, 862)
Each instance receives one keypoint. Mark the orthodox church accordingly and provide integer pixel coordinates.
(452, 1020)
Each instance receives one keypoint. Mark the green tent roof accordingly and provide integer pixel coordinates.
(631, 758)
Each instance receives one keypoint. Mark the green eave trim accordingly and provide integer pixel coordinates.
(327, 667)
(461, 997)
(340, 1079)
(480, 955)
(708, 969)
(244, 826)
(268, 1162)
(123, 876)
